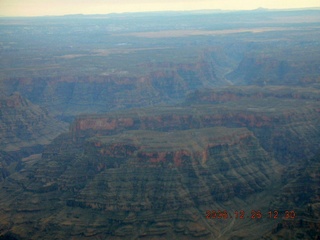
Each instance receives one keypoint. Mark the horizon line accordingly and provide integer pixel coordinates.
(262, 9)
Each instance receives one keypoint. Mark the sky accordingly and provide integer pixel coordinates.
(62, 7)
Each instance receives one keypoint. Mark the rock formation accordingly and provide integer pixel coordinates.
(170, 136)
(299, 67)
(152, 173)
(23, 124)
(68, 96)
(7, 163)
(270, 119)
(300, 198)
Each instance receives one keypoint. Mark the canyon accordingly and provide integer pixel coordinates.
(114, 129)
(24, 124)
(155, 172)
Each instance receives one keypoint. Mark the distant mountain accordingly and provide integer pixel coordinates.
(261, 9)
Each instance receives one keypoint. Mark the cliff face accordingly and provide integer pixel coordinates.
(146, 183)
(300, 195)
(236, 93)
(297, 67)
(23, 124)
(71, 95)
(155, 172)
(271, 124)
(7, 163)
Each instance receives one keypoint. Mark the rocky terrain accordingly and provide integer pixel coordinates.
(67, 96)
(270, 119)
(300, 192)
(155, 172)
(139, 188)
(291, 67)
(24, 125)
(236, 93)
(8, 164)
(196, 127)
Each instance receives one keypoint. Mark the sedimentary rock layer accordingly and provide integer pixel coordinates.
(154, 172)
(272, 120)
(155, 178)
(236, 93)
(23, 124)
(297, 67)
(72, 95)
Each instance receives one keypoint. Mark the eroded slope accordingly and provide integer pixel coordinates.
(155, 172)
(23, 124)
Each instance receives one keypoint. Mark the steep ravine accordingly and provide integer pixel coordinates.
(138, 188)
(24, 125)
(161, 83)
(153, 173)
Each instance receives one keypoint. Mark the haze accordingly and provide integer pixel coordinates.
(61, 7)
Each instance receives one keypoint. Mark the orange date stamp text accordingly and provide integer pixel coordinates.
(253, 214)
